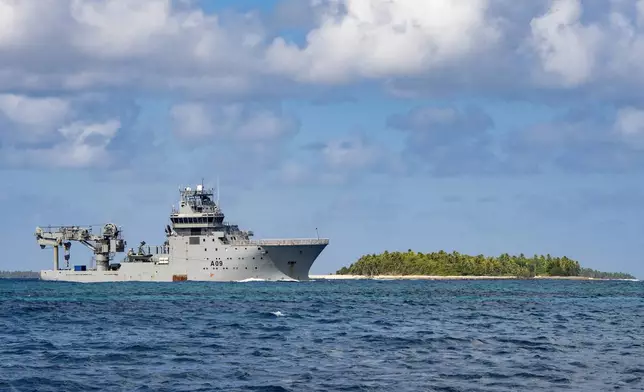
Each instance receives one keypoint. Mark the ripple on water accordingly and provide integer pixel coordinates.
(322, 336)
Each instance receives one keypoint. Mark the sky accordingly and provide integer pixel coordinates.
(480, 126)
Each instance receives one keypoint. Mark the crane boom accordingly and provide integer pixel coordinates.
(105, 243)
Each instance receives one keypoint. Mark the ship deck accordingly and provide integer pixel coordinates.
(283, 242)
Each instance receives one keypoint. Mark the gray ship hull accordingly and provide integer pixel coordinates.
(200, 246)
(276, 262)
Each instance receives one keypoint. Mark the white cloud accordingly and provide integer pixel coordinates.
(179, 50)
(122, 27)
(340, 161)
(7, 20)
(32, 111)
(351, 154)
(566, 48)
(578, 45)
(294, 173)
(85, 144)
(55, 132)
(630, 121)
(191, 120)
(203, 123)
(384, 38)
(81, 145)
(629, 125)
(149, 44)
(174, 46)
(583, 141)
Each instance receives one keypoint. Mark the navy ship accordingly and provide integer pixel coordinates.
(200, 246)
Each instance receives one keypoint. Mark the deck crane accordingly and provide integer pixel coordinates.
(104, 244)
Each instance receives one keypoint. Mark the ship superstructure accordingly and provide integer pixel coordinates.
(200, 245)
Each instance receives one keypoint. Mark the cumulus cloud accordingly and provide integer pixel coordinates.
(581, 141)
(351, 154)
(380, 38)
(629, 124)
(56, 132)
(454, 45)
(152, 44)
(566, 47)
(447, 140)
(203, 123)
(595, 48)
(80, 145)
(341, 160)
(588, 50)
(291, 172)
(31, 118)
(493, 47)
(450, 141)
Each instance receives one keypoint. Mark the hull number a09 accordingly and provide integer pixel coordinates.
(216, 263)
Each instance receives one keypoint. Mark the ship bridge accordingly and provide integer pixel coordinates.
(199, 213)
(197, 210)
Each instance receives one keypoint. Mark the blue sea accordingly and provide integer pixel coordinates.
(322, 336)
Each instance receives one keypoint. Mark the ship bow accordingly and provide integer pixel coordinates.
(294, 258)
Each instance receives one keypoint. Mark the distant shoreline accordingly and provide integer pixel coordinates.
(456, 277)
(455, 265)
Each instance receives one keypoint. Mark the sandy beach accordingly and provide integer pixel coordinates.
(427, 277)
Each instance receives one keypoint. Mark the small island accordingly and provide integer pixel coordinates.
(443, 264)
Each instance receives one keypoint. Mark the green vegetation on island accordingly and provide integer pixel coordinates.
(455, 264)
(591, 273)
(19, 275)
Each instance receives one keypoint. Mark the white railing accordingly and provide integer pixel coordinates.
(282, 242)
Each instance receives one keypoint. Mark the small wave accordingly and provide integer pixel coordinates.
(340, 336)
(286, 280)
(269, 388)
(266, 280)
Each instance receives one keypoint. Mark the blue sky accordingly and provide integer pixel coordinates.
(482, 126)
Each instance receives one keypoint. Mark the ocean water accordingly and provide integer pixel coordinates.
(322, 336)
